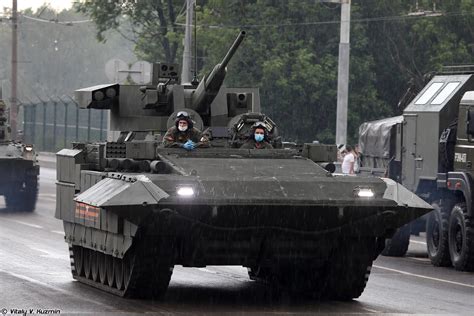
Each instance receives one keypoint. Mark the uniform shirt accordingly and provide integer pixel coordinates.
(346, 163)
(176, 138)
(252, 144)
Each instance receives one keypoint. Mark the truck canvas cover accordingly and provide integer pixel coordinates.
(374, 136)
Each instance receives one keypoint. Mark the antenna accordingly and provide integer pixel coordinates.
(195, 80)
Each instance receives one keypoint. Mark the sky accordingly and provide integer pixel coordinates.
(23, 4)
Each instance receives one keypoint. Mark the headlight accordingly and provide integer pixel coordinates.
(364, 193)
(185, 191)
(28, 148)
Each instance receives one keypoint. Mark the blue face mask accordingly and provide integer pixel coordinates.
(258, 137)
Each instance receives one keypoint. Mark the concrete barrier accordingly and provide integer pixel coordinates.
(47, 160)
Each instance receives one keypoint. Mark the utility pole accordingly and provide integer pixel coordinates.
(187, 58)
(14, 65)
(343, 73)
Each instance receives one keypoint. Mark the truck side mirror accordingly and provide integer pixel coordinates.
(470, 122)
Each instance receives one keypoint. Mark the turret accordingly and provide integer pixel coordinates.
(151, 107)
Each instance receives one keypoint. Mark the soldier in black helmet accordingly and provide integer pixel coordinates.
(258, 139)
(184, 134)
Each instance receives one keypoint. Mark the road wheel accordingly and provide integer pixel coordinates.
(78, 260)
(151, 265)
(109, 266)
(437, 236)
(118, 271)
(102, 267)
(347, 279)
(349, 268)
(94, 266)
(397, 246)
(87, 262)
(128, 262)
(461, 239)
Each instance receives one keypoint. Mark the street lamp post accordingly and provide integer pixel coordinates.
(343, 73)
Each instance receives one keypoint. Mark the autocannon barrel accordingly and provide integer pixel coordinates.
(210, 85)
(232, 49)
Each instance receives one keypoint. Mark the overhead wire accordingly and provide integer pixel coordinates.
(361, 20)
(55, 20)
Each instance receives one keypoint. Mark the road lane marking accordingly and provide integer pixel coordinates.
(58, 232)
(418, 242)
(424, 277)
(48, 254)
(27, 224)
(420, 259)
(53, 288)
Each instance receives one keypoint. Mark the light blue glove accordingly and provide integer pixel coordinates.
(189, 145)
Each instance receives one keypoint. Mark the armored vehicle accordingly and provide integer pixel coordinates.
(18, 167)
(430, 149)
(132, 209)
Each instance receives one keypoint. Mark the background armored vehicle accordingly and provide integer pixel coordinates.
(430, 150)
(132, 210)
(18, 168)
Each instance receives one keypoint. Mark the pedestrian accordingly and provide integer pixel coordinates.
(357, 156)
(349, 161)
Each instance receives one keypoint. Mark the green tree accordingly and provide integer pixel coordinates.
(150, 24)
(291, 51)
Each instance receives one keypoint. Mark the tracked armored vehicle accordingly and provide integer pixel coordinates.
(18, 169)
(132, 209)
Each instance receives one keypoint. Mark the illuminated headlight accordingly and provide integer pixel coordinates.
(185, 191)
(365, 193)
(28, 148)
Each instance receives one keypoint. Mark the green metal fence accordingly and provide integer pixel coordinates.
(52, 125)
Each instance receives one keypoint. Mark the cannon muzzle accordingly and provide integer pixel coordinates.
(232, 49)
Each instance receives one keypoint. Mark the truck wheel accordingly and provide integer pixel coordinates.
(437, 237)
(461, 239)
(397, 246)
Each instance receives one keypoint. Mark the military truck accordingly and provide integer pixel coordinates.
(132, 209)
(430, 149)
(18, 167)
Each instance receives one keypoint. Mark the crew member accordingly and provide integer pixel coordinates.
(184, 134)
(258, 138)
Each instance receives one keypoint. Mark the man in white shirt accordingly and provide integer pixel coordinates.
(348, 162)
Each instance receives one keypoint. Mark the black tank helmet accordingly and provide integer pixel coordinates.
(183, 115)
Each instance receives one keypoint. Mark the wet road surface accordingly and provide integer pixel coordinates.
(35, 276)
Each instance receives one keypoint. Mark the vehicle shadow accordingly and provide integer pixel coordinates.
(249, 296)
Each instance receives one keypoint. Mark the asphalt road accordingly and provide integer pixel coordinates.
(35, 275)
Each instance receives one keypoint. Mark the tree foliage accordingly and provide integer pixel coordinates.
(291, 50)
(56, 58)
